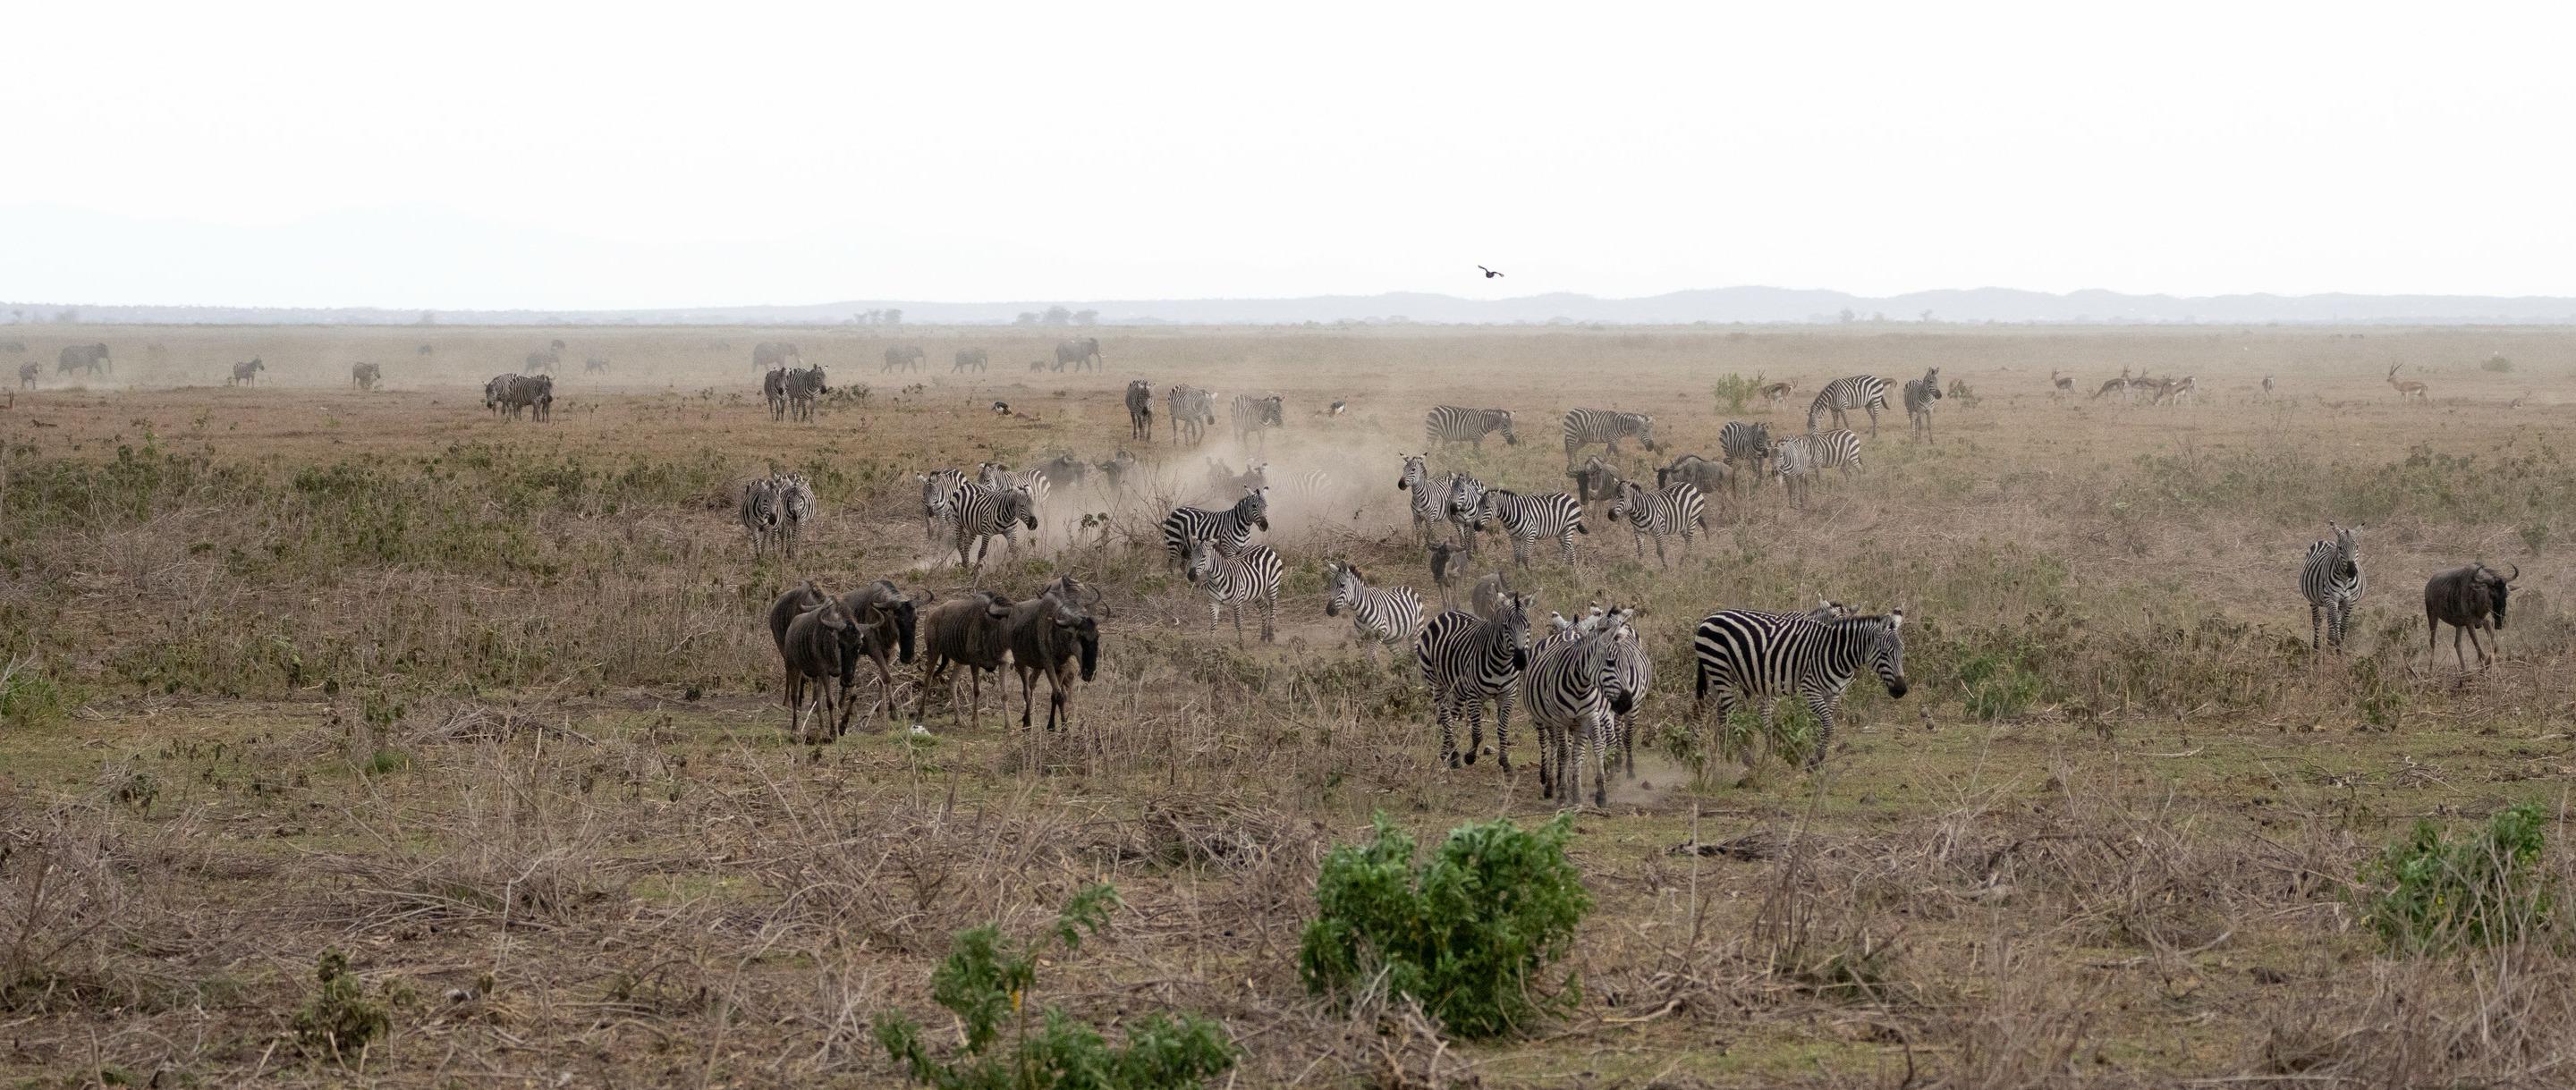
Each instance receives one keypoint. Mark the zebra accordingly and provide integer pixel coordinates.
(1192, 410)
(795, 507)
(1571, 687)
(773, 393)
(979, 512)
(803, 389)
(760, 513)
(1140, 410)
(1749, 443)
(1033, 481)
(1228, 530)
(1844, 394)
(1676, 509)
(1246, 578)
(1467, 511)
(1606, 427)
(496, 389)
(1526, 519)
(1793, 460)
(938, 489)
(2332, 581)
(1838, 448)
(245, 372)
(1749, 655)
(1389, 616)
(1452, 424)
(1430, 502)
(1919, 395)
(1255, 416)
(1467, 660)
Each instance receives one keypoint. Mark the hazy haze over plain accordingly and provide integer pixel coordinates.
(597, 156)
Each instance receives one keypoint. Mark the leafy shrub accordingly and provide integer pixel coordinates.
(340, 1019)
(1465, 935)
(2497, 363)
(1999, 683)
(27, 697)
(1735, 390)
(2428, 894)
(986, 981)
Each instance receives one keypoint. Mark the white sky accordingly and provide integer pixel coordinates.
(649, 155)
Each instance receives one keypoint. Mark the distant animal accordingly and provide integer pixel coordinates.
(1050, 633)
(1001, 408)
(1036, 366)
(1573, 690)
(904, 357)
(27, 373)
(543, 362)
(424, 348)
(594, 365)
(2405, 388)
(1140, 410)
(1919, 395)
(2060, 385)
(821, 649)
(1606, 427)
(1228, 531)
(91, 358)
(2267, 385)
(1749, 443)
(1453, 424)
(1466, 660)
(1489, 273)
(512, 395)
(1773, 394)
(1388, 615)
(1081, 352)
(973, 631)
(1845, 394)
(2118, 385)
(1675, 509)
(13, 347)
(2331, 580)
(1748, 655)
(1255, 416)
(1338, 407)
(971, 359)
(1192, 410)
(980, 513)
(245, 372)
(365, 376)
(2177, 390)
(2470, 600)
(1700, 473)
(1246, 579)
(768, 355)
(1527, 520)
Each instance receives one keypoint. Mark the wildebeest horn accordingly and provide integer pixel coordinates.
(2517, 574)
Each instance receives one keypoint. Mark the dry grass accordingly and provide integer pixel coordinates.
(488, 706)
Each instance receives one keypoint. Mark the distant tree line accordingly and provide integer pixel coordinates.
(1057, 315)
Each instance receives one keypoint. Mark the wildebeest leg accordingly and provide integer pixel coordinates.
(795, 705)
(1028, 686)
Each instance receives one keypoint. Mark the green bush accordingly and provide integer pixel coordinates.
(1734, 390)
(340, 1019)
(986, 982)
(1999, 684)
(1465, 935)
(2426, 893)
(27, 697)
(2497, 364)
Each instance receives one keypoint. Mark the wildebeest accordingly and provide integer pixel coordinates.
(890, 619)
(903, 356)
(84, 357)
(973, 631)
(365, 376)
(1063, 471)
(1081, 352)
(822, 648)
(1118, 467)
(246, 371)
(1049, 634)
(27, 373)
(770, 354)
(971, 359)
(1698, 472)
(1594, 480)
(2470, 600)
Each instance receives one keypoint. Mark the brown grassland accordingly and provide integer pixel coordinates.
(487, 706)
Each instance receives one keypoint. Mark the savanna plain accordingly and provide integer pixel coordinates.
(479, 718)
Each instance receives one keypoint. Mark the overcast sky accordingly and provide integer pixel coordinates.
(573, 155)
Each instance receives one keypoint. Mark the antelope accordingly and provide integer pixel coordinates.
(2405, 388)
(2063, 384)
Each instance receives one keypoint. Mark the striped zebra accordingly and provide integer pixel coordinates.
(1388, 615)
(1228, 530)
(1527, 519)
(1192, 410)
(938, 488)
(1793, 460)
(805, 388)
(795, 498)
(1467, 510)
(760, 513)
(1467, 660)
(1453, 424)
(1246, 578)
(1636, 670)
(497, 389)
(1748, 443)
(1835, 449)
(2332, 581)
(980, 513)
(1430, 499)
(1606, 427)
(996, 475)
(1919, 395)
(1845, 394)
(1572, 690)
(1140, 410)
(1676, 509)
(773, 393)
(1746, 655)
(1255, 416)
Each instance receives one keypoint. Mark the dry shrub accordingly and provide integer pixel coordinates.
(80, 926)
(517, 849)
(2026, 1022)
(2506, 1018)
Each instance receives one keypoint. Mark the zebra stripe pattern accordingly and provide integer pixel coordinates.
(1747, 443)
(1836, 449)
(1919, 395)
(938, 489)
(1192, 409)
(760, 513)
(1793, 460)
(1140, 410)
(1248, 578)
(1572, 691)
(1677, 509)
(1606, 427)
(1467, 510)
(2332, 581)
(1745, 655)
(1454, 424)
(1467, 660)
(1255, 416)
(1527, 519)
(981, 513)
(1228, 530)
(795, 497)
(1390, 615)
(998, 476)
(1430, 502)
(1845, 394)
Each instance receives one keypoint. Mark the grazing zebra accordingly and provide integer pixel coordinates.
(1677, 509)
(1467, 510)
(1572, 690)
(1467, 660)
(1140, 410)
(1430, 501)
(2332, 581)
(760, 512)
(938, 490)
(1255, 416)
(1388, 616)
(1919, 395)
(795, 499)
(1246, 578)
(1748, 443)
(1749, 655)
(1838, 448)
(1192, 410)
(1606, 427)
(1845, 394)
(1452, 424)
(1526, 519)
(1228, 531)
(980, 512)
(1793, 460)
(495, 388)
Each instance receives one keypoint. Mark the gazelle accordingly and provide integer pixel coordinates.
(2063, 384)
(2405, 388)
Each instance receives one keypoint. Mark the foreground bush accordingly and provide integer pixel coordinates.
(986, 981)
(1464, 935)
(2427, 893)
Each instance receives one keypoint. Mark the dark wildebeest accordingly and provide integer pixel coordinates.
(890, 618)
(84, 357)
(822, 648)
(971, 359)
(1081, 352)
(768, 355)
(1049, 633)
(973, 631)
(2468, 599)
(903, 356)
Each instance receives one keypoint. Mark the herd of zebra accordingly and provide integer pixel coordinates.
(510, 395)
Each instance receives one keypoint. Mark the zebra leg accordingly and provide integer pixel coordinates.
(2315, 626)
(1269, 617)
(1503, 730)
(1824, 707)
(1600, 759)
(1660, 560)
(1565, 541)
(1474, 707)
(1448, 738)
(1238, 624)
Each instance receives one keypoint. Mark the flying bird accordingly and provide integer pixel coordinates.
(1489, 273)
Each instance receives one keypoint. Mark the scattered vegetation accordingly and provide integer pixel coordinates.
(2428, 893)
(1734, 390)
(2498, 364)
(340, 1019)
